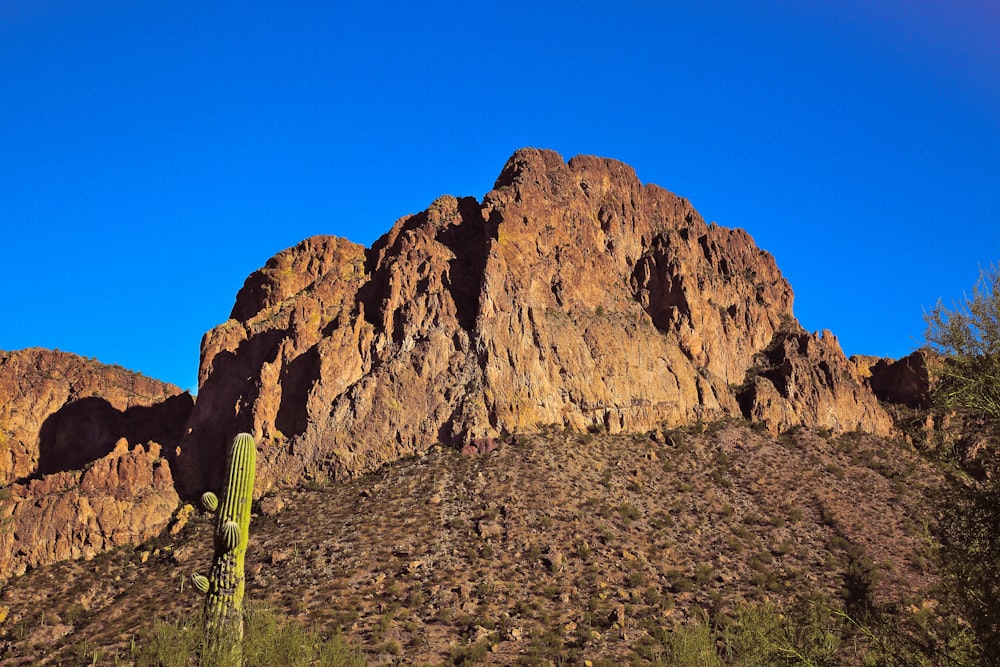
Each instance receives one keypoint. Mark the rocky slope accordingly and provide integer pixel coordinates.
(571, 295)
(560, 547)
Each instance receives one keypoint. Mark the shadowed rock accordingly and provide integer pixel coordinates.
(123, 498)
(59, 411)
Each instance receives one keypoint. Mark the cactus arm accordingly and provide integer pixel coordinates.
(210, 501)
(200, 582)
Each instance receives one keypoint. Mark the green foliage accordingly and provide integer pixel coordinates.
(968, 335)
(270, 640)
(172, 645)
(629, 511)
(859, 582)
(691, 646)
(757, 636)
(970, 558)
(762, 636)
(472, 654)
(806, 635)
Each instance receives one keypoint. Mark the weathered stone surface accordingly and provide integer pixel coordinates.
(59, 411)
(572, 295)
(123, 498)
(804, 378)
(906, 381)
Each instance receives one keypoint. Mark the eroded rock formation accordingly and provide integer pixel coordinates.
(59, 411)
(125, 497)
(804, 379)
(572, 294)
(907, 381)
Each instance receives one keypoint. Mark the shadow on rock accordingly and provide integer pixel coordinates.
(85, 430)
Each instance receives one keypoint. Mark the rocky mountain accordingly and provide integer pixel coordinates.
(634, 378)
(571, 295)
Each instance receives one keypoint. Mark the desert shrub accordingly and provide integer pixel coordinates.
(174, 644)
(761, 636)
(968, 380)
(629, 511)
(808, 635)
(471, 654)
(694, 646)
(968, 336)
(859, 583)
(268, 640)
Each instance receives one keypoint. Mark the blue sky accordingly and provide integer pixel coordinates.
(153, 154)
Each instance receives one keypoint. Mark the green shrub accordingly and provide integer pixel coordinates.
(629, 512)
(268, 640)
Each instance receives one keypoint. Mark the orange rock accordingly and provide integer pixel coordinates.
(59, 411)
(123, 498)
(805, 379)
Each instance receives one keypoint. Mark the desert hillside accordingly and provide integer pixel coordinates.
(557, 425)
(559, 546)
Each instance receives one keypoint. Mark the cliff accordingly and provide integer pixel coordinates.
(72, 487)
(572, 295)
(124, 497)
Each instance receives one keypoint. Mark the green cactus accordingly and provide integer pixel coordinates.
(224, 585)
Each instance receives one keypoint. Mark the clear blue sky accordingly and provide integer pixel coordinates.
(153, 154)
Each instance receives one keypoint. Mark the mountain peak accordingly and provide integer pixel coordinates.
(572, 295)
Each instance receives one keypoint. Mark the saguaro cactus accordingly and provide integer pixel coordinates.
(223, 587)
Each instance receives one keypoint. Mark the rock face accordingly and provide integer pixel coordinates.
(59, 411)
(123, 498)
(572, 295)
(906, 381)
(804, 378)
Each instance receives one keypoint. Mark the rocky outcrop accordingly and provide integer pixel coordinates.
(125, 497)
(905, 381)
(804, 378)
(572, 295)
(59, 411)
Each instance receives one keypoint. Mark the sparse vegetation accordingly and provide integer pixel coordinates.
(575, 570)
(270, 640)
(967, 335)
